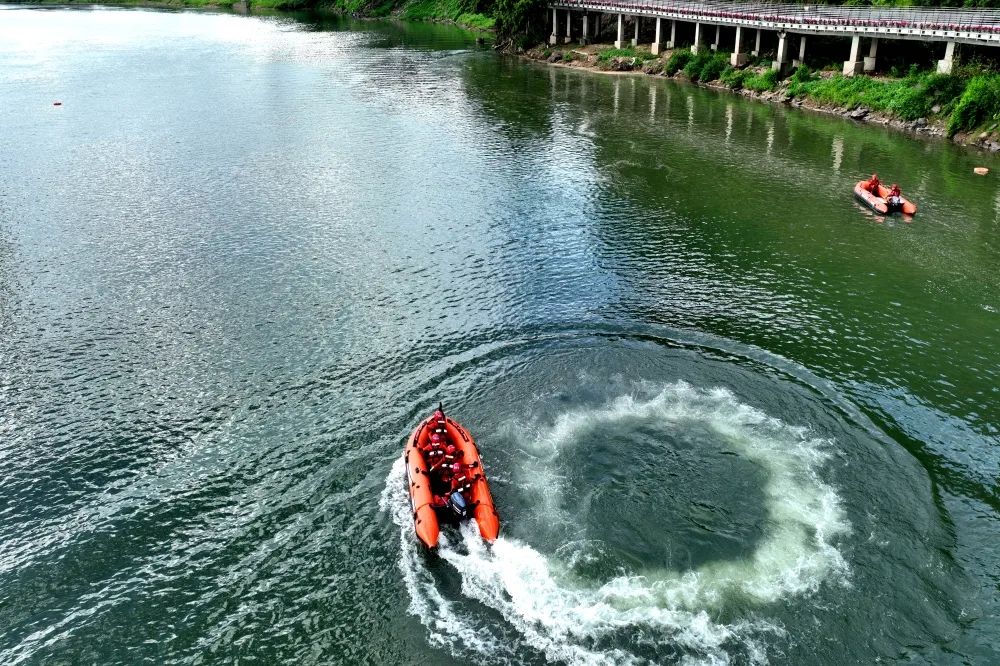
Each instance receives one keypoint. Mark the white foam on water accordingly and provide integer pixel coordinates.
(665, 611)
(446, 625)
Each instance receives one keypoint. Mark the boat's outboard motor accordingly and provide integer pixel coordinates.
(459, 507)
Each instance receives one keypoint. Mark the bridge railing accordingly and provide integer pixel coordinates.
(923, 18)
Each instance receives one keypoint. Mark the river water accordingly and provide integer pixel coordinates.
(729, 416)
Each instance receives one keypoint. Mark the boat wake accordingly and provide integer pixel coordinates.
(714, 613)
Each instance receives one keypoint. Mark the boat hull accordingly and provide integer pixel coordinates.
(880, 203)
(426, 523)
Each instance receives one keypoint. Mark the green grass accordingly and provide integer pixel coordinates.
(979, 103)
(607, 54)
(908, 98)
(460, 11)
(348, 6)
(477, 21)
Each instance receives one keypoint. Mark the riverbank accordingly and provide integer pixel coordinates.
(153, 4)
(446, 11)
(962, 108)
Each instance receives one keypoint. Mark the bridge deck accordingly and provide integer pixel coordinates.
(971, 26)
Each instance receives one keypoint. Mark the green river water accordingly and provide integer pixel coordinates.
(729, 416)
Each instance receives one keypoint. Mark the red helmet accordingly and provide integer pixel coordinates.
(437, 415)
(435, 438)
(450, 449)
(456, 467)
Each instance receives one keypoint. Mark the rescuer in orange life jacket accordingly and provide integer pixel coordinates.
(462, 477)
(872, 184)
(433, 450)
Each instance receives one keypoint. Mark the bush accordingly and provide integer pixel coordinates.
(733, 78)
(677, 61)
(802, 75)
(511, 20)
(706, 66)
(765, 81)
(715, 65)
(979, 103)
(943, 90)
(694, 66)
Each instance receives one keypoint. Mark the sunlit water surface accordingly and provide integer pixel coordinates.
(728, 415)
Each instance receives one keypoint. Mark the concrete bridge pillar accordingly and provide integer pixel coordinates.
(673, 35)
(697, 38)
(802, 53)
(569, 27)
(655, 48)
(621, 31)
(870, 60)
(756, 48)
(738, 58)
(853, 66)
(948, 64)
(715, 44)
(635, 39)
(782, 57)
(585, 37)
(554, 37)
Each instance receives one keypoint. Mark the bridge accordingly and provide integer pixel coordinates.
(945, 25)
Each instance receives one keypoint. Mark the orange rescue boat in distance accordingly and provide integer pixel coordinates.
(425, 477)
(880, 203)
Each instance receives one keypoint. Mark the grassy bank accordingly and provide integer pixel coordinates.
(177, 4)
(964, 101)
(462, 12)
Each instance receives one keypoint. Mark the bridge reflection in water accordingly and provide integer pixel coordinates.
(743, 139)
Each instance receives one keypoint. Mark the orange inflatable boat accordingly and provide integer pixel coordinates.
(880, 203)
(446, 480)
